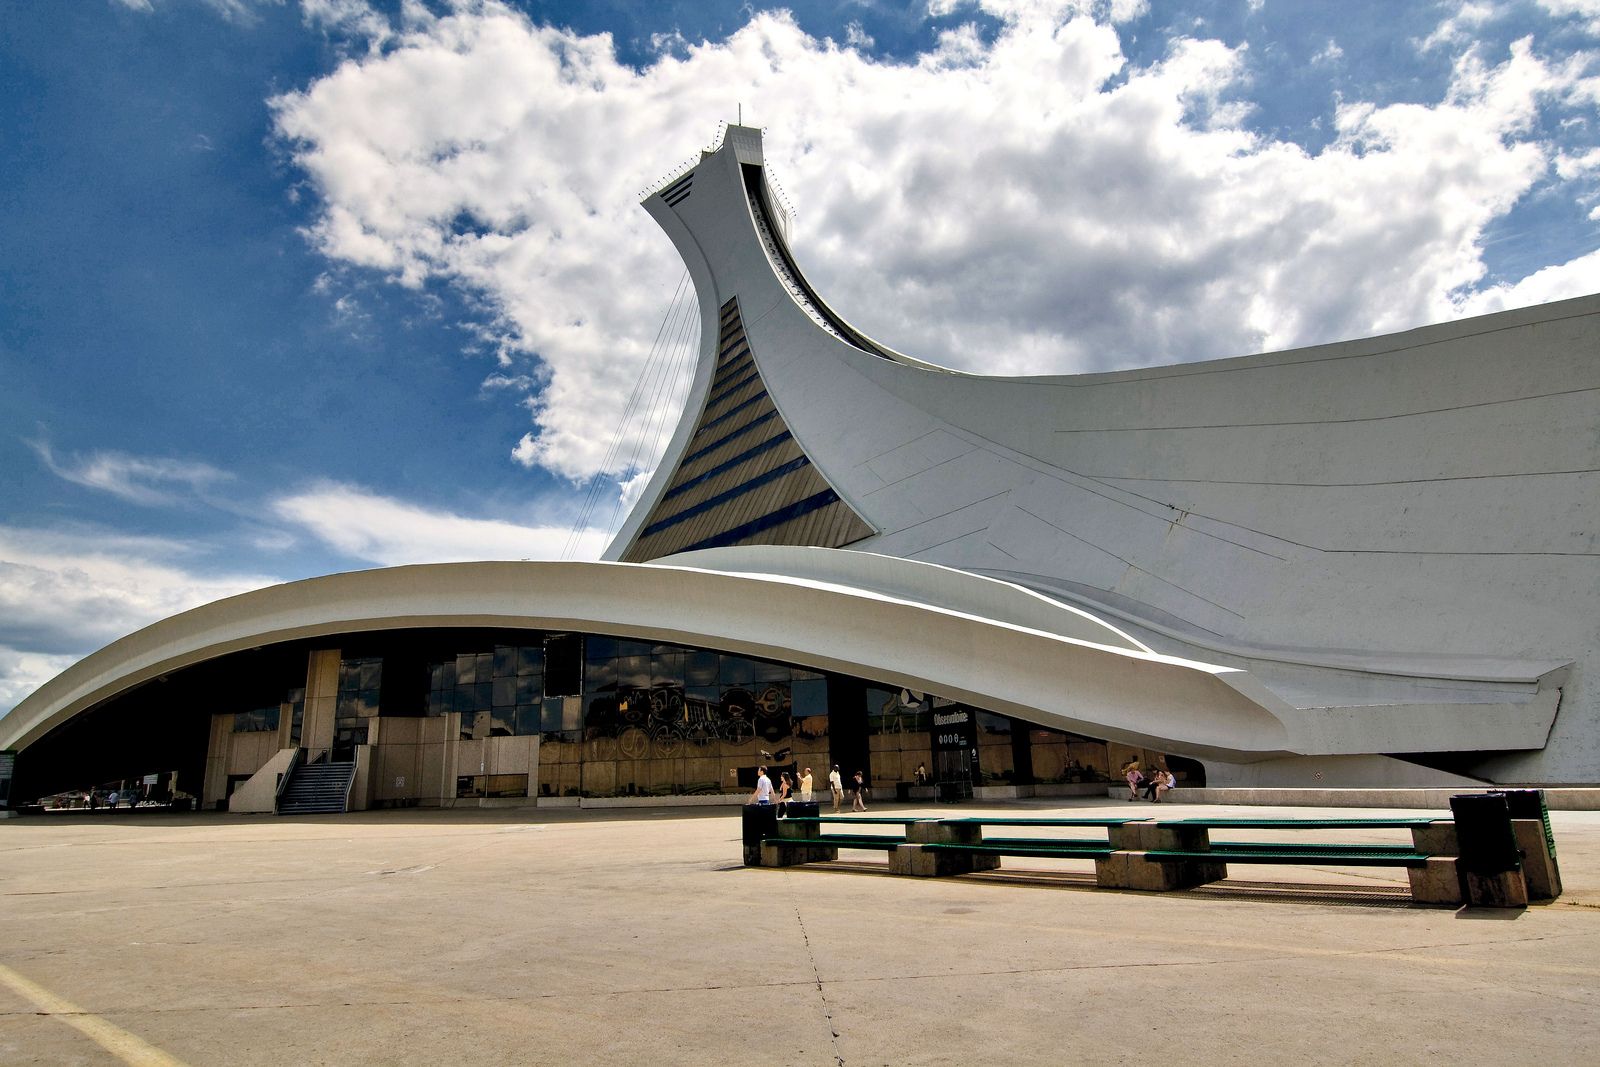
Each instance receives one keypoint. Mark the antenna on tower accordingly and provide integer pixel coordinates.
(741, 114)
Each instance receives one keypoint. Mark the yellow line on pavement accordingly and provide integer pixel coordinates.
(114, 1039)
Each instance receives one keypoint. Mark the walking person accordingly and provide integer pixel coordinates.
(860, 803)
(763, 793)
(784, 788)
(836, 784)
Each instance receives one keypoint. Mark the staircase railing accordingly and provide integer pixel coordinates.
(283, 779)
(349, 783)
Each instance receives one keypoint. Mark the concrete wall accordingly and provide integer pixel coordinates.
(260, 794)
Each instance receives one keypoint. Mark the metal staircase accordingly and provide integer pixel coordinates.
(317, 789)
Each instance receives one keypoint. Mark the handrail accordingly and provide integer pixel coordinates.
(355, 765)
(283, 780)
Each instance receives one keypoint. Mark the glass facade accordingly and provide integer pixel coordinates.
(360, 684)
(617, 717)
(663, 719)
(500, 714)
(257, 720)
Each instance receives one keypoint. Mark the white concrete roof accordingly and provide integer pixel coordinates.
(1092, 687)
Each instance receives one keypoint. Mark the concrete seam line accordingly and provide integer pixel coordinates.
(128, 1048)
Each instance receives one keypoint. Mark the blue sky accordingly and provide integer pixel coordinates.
(292, 288)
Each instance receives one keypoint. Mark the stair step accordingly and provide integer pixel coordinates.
(317, 789)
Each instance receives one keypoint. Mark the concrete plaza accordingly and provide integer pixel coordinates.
(636, 937)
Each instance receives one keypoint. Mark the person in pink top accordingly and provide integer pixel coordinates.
(1134, 778)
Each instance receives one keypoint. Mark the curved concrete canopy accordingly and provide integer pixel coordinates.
(1122, 693)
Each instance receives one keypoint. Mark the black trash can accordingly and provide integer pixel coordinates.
(760, 820)
(1483, 830)
(801, 809)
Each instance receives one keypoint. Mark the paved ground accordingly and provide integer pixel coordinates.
(638, 939)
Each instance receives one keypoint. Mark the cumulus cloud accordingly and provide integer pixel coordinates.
(1459, 26)
(66, 592)
(391, 532)
(1019, 201)
(140, 479)
(1588, 11)
(243, 12)
(23, 672)
(346, 19)
(63, 591)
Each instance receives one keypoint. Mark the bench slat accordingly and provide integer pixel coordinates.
(1300, 824)
(1065, 850)
(1303, 856)
(982, 821)
(838, 841)
(1312, 846)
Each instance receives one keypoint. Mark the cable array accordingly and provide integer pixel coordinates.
(656, 398)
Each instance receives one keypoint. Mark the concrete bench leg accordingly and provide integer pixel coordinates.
(1131, 870)
(794, 855)
(918, 862)
(1538, 866)
(1437, 882)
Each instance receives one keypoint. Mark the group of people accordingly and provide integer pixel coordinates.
(766, 793)
(1155, 781)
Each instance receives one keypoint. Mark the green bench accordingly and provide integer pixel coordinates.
(1153, 854)
(1184, 854)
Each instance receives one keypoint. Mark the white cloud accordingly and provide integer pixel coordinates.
(1459, 27)
(1120, 11)
(1542, 286)
(1586, 10)
(1330, 53)
(23, 672)
(347, 18)
(856, 37)
(64, 593)
(1021, 202)
(140, 479)
(243, 12)
(390, 532)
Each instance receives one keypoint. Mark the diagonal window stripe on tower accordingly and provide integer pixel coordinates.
(744, 479)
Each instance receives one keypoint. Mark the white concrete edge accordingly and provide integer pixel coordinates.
(932, 584)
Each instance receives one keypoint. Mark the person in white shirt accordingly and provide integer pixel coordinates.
(805, 786)
(836, 783)
(763, 793)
